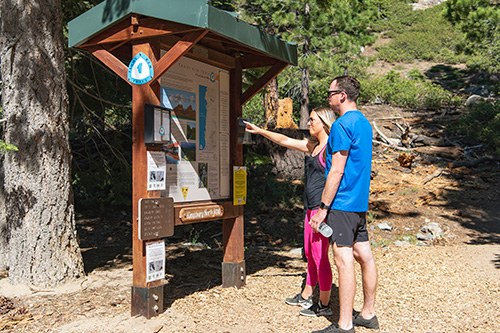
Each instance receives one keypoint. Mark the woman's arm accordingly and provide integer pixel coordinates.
(282, 140)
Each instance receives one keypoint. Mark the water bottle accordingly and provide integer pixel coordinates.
(325, 229)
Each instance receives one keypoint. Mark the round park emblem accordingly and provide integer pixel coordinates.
(140, 69)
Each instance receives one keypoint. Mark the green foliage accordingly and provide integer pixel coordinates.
(371, 216)
(254, 159)
(393, 16)
(194, 235)
(100, 118)
(5, 147)
(274, 193)
(416, 74)
(482, 123)
(253, 110)
(479, 20)
(102, 172)
(222, 4)
(266, 188)
(395, 90)
(329, 35)
(426, 36)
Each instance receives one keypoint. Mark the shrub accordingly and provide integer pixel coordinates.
(422, 35)
(410, 92)
(482, 123)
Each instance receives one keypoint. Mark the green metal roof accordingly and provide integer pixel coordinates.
(196, 13)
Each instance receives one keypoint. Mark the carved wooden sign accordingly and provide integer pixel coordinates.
(156, 218)
(203, 213)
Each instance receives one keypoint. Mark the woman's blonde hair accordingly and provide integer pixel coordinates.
(327, 117)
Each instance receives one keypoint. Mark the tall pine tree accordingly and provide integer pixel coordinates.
(329, 35)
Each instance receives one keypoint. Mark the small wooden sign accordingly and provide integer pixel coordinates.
(156, 218)
(204, 213)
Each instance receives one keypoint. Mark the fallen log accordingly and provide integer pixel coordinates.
(471, 164)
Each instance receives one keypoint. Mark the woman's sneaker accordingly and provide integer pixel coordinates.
(299, 300)
(316, 310)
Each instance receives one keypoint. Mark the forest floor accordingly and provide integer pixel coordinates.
(449, 284)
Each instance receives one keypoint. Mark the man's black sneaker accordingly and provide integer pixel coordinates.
(316, 310)
(357, 320)
(299, 300)
(334, 328)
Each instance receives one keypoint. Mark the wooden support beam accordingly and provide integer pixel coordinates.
(233, 265)
(177, 51)
(262, 81)
(111, 61)
(256, 61)
(141, 94)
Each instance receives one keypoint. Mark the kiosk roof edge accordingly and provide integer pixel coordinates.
(197, 14)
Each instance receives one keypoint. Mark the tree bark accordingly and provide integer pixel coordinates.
(271, 104)
(37, 223)
(304, 102)
(304, 87)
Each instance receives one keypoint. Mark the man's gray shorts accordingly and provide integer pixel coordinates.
(348, 227)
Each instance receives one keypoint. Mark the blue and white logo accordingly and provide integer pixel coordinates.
(140, 69)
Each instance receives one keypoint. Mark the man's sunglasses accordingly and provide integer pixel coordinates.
(333, 92)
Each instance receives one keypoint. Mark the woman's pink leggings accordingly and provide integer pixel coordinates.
(316, 250)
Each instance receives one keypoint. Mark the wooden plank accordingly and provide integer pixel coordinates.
(262, 81)
(176, 52)
(256, 61)
(111, 61)
(202, 53)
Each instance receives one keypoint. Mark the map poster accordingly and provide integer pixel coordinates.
(197, 160)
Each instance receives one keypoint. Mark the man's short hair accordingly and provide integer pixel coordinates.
(349, 85)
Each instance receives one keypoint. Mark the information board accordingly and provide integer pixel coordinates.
(156, 218)
(197, 160)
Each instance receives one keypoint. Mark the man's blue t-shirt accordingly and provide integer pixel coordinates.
(352, 132)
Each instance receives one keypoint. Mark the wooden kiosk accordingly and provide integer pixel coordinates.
(184, 61)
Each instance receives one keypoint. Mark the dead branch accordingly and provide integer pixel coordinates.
(391, 146)
(425, 199)
(389, 141)
(435, 174)
(471, 164)
(388, 118)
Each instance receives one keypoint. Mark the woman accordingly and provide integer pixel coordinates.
(315, 245)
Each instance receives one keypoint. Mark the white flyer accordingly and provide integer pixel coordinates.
(155, 260)
(157, 168)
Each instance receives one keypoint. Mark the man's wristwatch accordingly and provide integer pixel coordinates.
(322, 205)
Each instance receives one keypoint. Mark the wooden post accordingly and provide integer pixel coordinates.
(233, 265)
(147, 298)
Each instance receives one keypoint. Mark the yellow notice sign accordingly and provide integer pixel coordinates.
(184, 192)
(239, 185)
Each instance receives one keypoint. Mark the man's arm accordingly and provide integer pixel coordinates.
(339, 160)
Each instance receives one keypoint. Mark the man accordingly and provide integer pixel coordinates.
(345, 201)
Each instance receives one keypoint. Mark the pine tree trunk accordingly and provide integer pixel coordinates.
(271, 104)
(304, 102)
(304, 87)
(37, 223)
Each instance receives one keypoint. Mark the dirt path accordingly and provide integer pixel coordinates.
(451, 284)
(452, 288)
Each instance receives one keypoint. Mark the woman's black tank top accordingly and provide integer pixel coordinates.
(315, 180)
